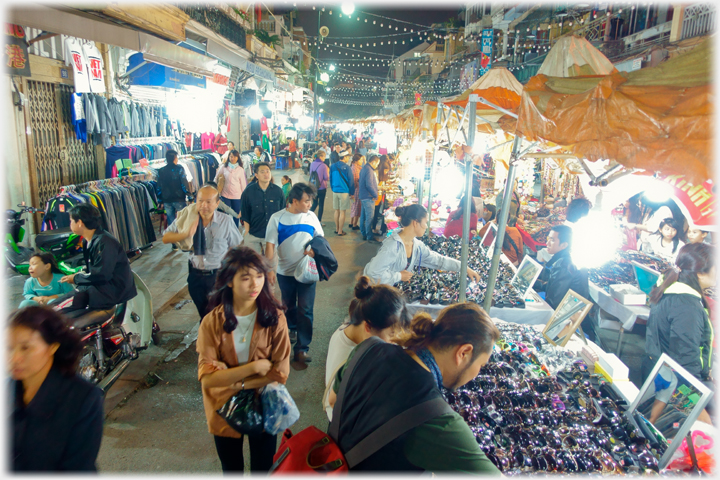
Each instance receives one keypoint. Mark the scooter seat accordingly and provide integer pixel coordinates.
(89, 318)
(52, 237)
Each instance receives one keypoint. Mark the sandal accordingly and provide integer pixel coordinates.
(341, 234)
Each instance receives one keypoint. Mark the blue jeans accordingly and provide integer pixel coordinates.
(366, 217)
(299, 298)
(235, 205)
(171, 209)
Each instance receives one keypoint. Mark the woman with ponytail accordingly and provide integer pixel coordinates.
(243, 344)
(376, 311)
(389, 380)
(401, 253)
(678, 324)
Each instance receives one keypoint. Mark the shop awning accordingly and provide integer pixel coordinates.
(498, 86)
(154, 75)
(656, 119)
(75, 23)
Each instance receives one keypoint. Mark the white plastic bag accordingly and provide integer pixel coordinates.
(279, 409)
(306, 271)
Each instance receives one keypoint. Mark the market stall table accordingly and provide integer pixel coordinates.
(627, 314)
(536, 311)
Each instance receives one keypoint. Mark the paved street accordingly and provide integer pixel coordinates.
(162, 428)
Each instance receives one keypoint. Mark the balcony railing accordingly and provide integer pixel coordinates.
(698, 20)
(216, 20)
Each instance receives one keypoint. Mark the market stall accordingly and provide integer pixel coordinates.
(537, 407)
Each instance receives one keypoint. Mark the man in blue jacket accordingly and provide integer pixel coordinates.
(368, 196)
(342, 182)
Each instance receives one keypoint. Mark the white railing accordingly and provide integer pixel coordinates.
(698, 20)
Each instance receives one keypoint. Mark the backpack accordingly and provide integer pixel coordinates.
(312, 451)
(315, 179)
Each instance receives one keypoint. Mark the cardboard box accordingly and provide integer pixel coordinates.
(628, 294)
(613, 367)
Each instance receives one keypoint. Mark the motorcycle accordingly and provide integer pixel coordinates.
(112, 338)
(64, 245)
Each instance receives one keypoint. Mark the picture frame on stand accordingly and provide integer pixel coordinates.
(567, 318)
(527, 273)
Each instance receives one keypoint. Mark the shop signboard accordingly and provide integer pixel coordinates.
(16, 51)
(486, 51)
(696, 201)
(258, 71)
(156, 75)
(468, 75)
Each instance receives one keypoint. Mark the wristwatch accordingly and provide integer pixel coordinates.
(243, 384)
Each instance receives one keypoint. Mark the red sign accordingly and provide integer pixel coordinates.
(220, 79)
(418, 99)
(16, 54)
(696, 201)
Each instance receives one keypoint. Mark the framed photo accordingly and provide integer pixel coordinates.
(566, 319)
(488, 239)
(528, 271)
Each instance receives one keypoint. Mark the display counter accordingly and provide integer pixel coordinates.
(536, 312)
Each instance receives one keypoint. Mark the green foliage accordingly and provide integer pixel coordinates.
(266, 38)
(241, 14)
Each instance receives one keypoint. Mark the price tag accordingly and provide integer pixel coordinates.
(144, 162)
(127, 163)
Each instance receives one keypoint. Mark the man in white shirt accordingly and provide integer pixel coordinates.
(288, 231)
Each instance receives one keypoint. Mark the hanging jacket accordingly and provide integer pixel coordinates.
(679, 326)
(561, 275)
(91, 115)
(324, 257)
(391, 259)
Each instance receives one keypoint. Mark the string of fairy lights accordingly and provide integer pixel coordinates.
(430, 63)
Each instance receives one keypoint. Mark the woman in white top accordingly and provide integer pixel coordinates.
(666, 242)
(376, 311)
(231, 182)
(650, 221)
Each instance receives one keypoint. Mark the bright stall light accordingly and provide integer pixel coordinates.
(659, 193)
(305, 122)
(348, 8)
(321, 100)
(296, 111)
(595, 240)
(332, 68)
(255, 112)
(324, 77)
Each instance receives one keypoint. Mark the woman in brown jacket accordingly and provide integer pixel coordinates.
(243, 344)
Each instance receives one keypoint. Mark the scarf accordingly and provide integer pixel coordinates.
(429, 361)
(199, 239)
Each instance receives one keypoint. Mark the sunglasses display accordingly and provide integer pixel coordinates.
(430, 286)
(538, 409)
(620, 270)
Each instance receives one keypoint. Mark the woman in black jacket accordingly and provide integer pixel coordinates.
(57, 417)
(679, 324)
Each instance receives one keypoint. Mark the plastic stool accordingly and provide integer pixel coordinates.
(278, 163)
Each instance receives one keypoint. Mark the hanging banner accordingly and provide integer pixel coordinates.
(486, 51)
(16, 51)
(468, 75)
(697, 202)
(418, 99)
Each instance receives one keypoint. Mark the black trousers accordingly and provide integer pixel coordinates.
(319, 202)
(262, 450)
(80, 300)
(200, 286)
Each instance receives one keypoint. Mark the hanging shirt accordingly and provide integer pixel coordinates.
(242, 335)
(77, 110)
(95, 67)
(220, 144)
(75, 56)
(207, 140)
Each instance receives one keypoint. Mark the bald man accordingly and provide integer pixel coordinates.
(220, 235)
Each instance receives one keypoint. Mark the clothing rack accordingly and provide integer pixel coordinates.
(195, 152)
(104, 181)
(132, 141)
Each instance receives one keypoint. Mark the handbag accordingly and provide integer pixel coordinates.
(306, 271)
(243, 412)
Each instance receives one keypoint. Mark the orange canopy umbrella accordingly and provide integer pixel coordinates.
(498, 86)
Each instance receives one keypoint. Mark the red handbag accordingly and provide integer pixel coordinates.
(323, 454)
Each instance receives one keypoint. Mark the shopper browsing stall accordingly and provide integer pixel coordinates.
(368, 193)
(242, 344)
(343, 187)
(231, 182)
(358, 161)
(376, 311)
(390, 379)
(402, 252)
(319, 176)
(696, 235)
(454, 225)
(664, 243)
(678, 324)
(173, 186)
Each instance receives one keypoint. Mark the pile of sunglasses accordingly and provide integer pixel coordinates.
(429, 286)
(529, 419)
(620, 270)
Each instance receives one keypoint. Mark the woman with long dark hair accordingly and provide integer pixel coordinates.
(231, 182)
(357, 163)
(665, 242)
(57, 419)
(679, 324)
(376, 311)
(454, 224)
(401, 253)
(383, 173)
(243, 344)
